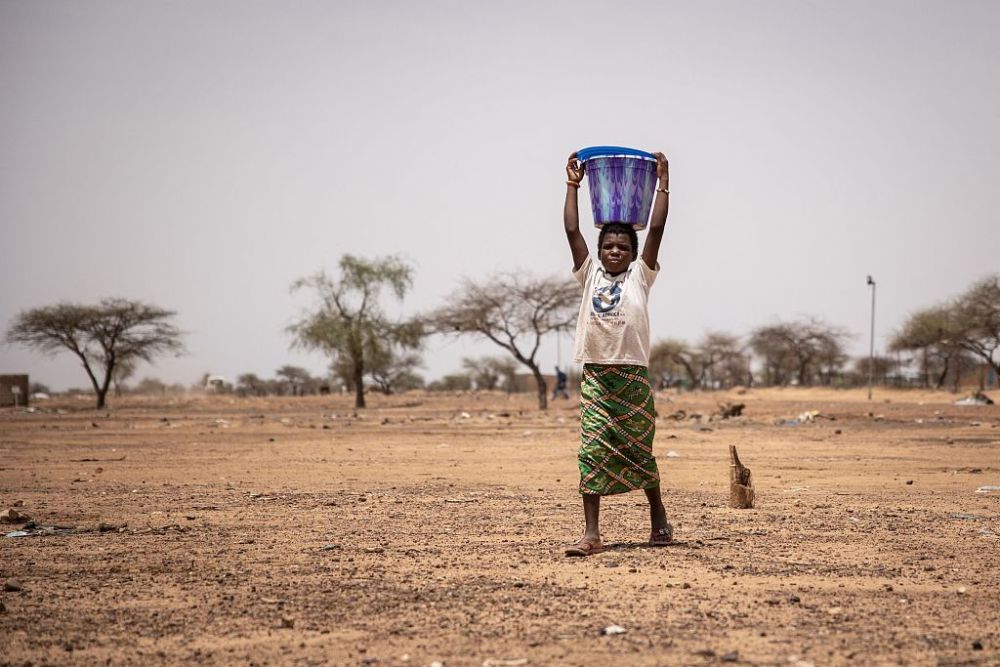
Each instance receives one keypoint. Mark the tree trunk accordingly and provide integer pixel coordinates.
(803, 374)
(359, 385)
(943, 376)
(741, 493)
(543, 389)
(102, 395)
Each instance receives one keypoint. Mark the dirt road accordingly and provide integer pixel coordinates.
(430, 528)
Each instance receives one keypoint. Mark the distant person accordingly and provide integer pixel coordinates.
(617, 420)
(560, 388)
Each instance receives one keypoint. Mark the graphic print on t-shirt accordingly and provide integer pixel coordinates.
(607, 298)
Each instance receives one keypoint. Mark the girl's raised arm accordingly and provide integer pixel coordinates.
(658, 221)
(571, 212)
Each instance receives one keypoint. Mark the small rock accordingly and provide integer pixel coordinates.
(837, 431)
(613, 630)
(705, 653)
(287, 622)
(107, 527)
(3, 607)
(687, 585)
(12, 586)
(909, 482)
(794, 599)
(13, 516)
(977, 645)
(18, 503)
(732, 656)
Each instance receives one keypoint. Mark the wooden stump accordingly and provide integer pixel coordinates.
(741, 494)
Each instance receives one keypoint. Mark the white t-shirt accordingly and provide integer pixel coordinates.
(613, 325)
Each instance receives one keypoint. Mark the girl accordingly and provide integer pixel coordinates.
(612, 342)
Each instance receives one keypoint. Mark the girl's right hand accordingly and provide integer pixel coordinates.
(574, 169)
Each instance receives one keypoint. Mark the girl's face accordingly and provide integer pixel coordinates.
(616, 253)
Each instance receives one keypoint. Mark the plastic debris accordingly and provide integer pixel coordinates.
(988, 489)
(977, 398)
(673, 455)
(613, 630)
(497, 662)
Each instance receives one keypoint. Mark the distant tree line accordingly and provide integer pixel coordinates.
(370, 350)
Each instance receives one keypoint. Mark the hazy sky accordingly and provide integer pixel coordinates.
(203, 155)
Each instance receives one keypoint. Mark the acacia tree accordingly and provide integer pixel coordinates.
(102, 336)
(801, 350)
(720, 359)
(297, 379)
(977, 317)
(515, 312)
(392, 370)
(672, 357)
(488, 372)
(348, 323)
(933, 334)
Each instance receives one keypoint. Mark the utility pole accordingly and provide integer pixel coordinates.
(871, 346)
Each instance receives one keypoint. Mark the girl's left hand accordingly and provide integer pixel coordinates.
(662, 167)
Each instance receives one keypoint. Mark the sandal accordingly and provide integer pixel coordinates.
(585, 548)
(662, 537)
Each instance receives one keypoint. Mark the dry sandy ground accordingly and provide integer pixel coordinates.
(298, 531)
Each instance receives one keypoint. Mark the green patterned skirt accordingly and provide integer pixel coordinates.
(617, 425)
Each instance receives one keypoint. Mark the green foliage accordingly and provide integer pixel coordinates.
(348, 323)
(102, 336)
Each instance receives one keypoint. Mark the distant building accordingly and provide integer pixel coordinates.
(13, 390)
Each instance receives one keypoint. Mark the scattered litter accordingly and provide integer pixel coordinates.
(31, 529)
(221, 422)
(329, 547)
(794, 661)
(613, 630)
(966, 517)
(727, 410)
(12, 586)
(988, 489)
(732, 656)
(465, 415)
(680, 415)
(460, 500)
(497, 662)
(986, 532)
(673, 455)
(976, 398)
(90, 460)
(796, 489)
